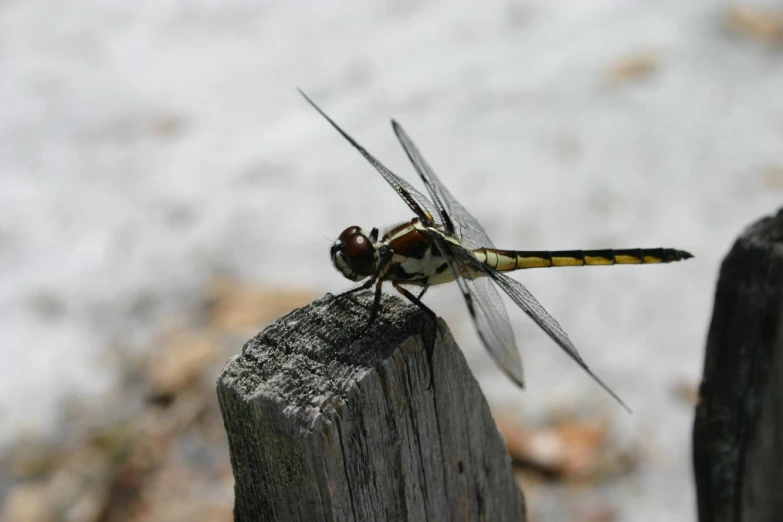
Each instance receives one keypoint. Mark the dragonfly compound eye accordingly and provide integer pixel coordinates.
(348, 232)
(426, 253)
(359, 253)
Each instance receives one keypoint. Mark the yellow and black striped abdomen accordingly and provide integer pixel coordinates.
(508, 260)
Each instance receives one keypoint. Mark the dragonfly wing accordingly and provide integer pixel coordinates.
(486, 308)
(463, 225)
(530, 305)
(416, 201)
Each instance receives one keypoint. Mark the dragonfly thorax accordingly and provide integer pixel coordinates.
(445, 243)
(355, 254)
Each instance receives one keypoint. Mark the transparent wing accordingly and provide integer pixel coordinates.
(417, 202)
(525, 300)
(457, 221)
(486, 308)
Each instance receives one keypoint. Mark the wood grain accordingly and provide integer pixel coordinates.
(323, 425)
(738, 430)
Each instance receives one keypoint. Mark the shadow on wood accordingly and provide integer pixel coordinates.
(323, 425)
(738, 431)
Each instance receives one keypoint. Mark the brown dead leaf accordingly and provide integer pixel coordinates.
(764, 25)
(182, 359)
(773, 177)
(171, 495)
(598, 513)
(239, 307)
(27, 503)
(129, 466)
(166, 125)
(571, 450)
(687, 392)
(636, 67)
(29, 458)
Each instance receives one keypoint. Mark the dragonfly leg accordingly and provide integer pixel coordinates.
(376, 306)
(364, 286)
(415, 300)
(376, 303)
(386, 256)
(423, 291)
(430, 346)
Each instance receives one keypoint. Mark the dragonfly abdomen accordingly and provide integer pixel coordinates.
(509, 260)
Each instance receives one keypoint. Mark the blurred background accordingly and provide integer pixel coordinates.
(165, 192)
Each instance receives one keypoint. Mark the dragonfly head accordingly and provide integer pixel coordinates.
(354, 254)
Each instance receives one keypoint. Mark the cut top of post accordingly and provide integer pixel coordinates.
(325, 424)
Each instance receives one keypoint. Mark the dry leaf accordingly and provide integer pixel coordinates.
(571, 450)
(166, 125)
(760, 24)
(686, 392)
(27, 503)
(773, 177)
(239, 307)
(599, 513)
(182, 359)
(635, 67)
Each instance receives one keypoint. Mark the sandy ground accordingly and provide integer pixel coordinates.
(147, 146)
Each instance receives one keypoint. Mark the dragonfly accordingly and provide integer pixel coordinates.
(444, 243)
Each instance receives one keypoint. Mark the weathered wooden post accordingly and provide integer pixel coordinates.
(325, 425)
(738, 431)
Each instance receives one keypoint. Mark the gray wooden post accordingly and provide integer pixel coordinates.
(325, 425)
(738, 431)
